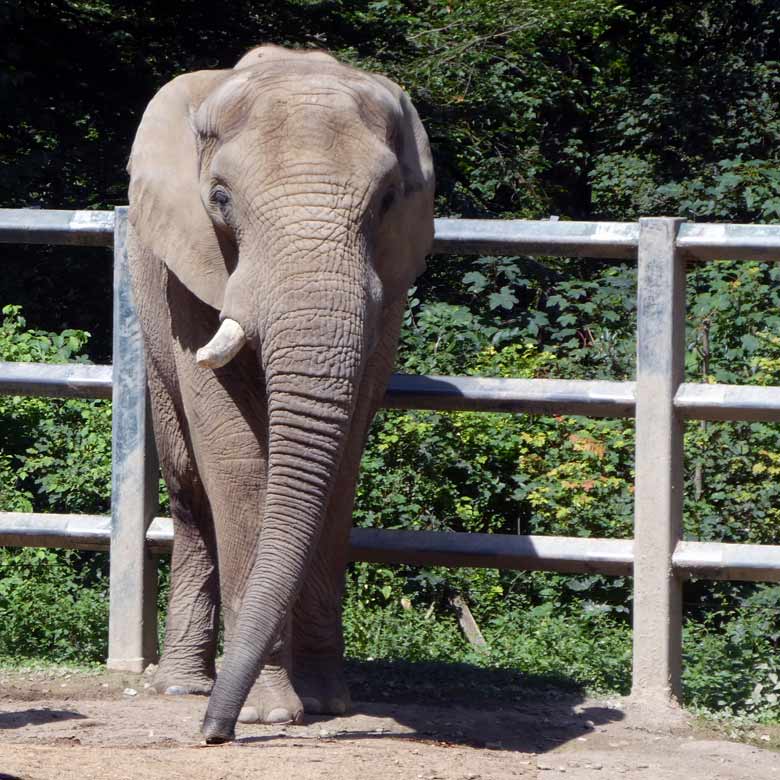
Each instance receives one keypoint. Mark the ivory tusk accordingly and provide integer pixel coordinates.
(225, 345)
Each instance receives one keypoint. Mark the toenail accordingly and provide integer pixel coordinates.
(279, 715)
(248, 715)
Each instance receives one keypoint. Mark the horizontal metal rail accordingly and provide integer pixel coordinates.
(594, 398)
(566, 554)
(615, 240)
(48, 226)
(530, 396)
(66, 380)
(728, 402)
(717, 241)
(78, 532)
(728, 561)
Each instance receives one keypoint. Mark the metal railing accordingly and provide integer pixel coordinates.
(659, 399)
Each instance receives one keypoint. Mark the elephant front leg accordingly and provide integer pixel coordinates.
(192, 624)
(273, 698)
(187, 663)
(318, 644)
(318, 636)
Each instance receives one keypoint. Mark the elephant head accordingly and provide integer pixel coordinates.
(294, 195)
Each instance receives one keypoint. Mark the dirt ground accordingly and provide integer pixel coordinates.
(410, 721)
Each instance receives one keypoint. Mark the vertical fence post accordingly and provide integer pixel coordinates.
(132, 627)
(657, 657)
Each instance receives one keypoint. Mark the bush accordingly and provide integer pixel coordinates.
(562, 644)
(54, 456)
(53, 605)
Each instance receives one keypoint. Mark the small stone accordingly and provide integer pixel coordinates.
(104, 685)
(324, 734)
(594, 766)
(765, 737)
(582, 739)
(130, 692)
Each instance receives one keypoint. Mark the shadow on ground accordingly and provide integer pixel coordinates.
(35, 717)
(459, 704)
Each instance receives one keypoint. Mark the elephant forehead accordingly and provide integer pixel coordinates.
(270, 52)
(301, 98)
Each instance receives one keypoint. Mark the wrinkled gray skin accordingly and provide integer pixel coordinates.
(291, 196)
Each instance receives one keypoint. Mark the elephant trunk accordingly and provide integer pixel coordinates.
(313, 356)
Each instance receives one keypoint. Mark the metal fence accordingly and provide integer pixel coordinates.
(659, 399)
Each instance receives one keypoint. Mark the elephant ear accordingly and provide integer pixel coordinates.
(166, 212)
(406, 233)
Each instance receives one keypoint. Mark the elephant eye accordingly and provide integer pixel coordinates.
(220, 197)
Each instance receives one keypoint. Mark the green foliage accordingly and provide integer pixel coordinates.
(589, 648)
(54, 456)
(731, 658)
(690, 123)
(53, 604)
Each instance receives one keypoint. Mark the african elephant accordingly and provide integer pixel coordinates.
(279, 211)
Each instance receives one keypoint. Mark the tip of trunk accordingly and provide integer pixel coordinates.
(217, 731)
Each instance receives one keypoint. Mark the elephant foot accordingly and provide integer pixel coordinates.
(320, 683)
(178, 683)
(272, 700)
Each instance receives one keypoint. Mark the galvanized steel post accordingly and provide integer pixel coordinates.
(659, 463)
(132, 627)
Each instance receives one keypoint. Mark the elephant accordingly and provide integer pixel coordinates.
(279, 211)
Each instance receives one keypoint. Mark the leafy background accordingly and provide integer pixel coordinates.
(588, 109)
